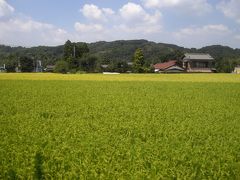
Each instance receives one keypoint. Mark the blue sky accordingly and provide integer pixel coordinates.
(186, 23)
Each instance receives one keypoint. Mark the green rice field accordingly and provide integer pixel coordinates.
(94, 126)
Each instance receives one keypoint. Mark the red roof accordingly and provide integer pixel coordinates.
(165, 65)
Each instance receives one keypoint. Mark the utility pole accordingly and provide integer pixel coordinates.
(74, 51)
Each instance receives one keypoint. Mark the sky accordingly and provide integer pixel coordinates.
(188, 23)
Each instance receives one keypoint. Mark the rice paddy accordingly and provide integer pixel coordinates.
(94, 126)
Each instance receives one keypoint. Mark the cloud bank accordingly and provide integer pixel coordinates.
(143, 20)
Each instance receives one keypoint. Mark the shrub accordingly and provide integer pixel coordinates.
(61, 67)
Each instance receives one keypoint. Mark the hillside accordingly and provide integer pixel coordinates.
(121, 50)
(124, 50)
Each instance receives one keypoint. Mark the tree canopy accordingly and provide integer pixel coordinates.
(26, 64)
(138, 61)
(61, 67)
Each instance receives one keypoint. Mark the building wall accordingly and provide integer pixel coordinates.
(237, 70)
(199, 66)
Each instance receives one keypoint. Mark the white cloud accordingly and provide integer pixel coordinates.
(161, 3)
(135, 13)
(202, 31)
(140, 30)
(237, 37)
(5, 9)
(199, 36)
(108, 11)
(132, 11)
(27, 32)
(93, 12)
(17, 29)
(136, 20)
(79, 27)
(198, 7)
(91, 32)
(230, 9)
(131, 21)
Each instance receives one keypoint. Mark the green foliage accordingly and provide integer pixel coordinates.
(11, 63)
(73, 52)
(224, 65)
(117, 66)
(175, 55)
(113, 52)
(88, 63)
(138, 61)
(96, 129)
(81, 49)
(61, 67)
(68, 50)
(26, 64)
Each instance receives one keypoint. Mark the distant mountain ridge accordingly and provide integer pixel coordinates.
(121, 50)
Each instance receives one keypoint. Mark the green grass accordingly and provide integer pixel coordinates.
(119, 129)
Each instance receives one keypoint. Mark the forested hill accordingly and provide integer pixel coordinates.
(124, 50)
(118, 51)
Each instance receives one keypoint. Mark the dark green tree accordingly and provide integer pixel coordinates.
(61, 67)
(225, 65)
(138, 61)
(88, 63)
(80, 49)
(175, 55)
(11, 63)
(73, 52)
(26, 64)
(68, 50)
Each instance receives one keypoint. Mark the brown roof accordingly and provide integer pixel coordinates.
(165, 65)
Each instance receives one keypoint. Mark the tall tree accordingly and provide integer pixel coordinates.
(138, 61)
(80, 49)
(26, 64)
(73, 52)
(68, 50)
(11, 63)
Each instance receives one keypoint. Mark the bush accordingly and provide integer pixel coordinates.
(73, 71)
(81, 72)
(61, 67)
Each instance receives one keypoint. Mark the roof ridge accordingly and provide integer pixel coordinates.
(197, 53)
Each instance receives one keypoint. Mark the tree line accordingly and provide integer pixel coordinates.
(117, 56)
(77, 59)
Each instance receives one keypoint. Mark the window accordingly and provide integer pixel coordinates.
(197, 64)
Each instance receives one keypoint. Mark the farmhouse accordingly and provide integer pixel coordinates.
(168, 67)
(199, 62)
(49, 68)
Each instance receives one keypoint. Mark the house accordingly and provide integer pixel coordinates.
(237, 70)
(49, 68)
(171, 66)
(198, 62)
